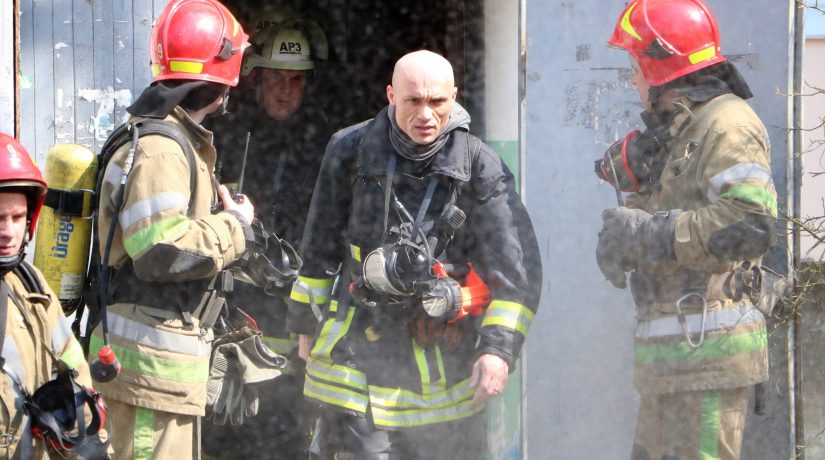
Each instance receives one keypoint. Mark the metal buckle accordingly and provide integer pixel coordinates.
(6, 440)
(683, 321)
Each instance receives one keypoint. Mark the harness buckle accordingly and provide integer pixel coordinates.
(7, 439)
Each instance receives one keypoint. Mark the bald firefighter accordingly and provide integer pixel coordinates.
(287, 132)
(693, 233)
(166, 232)
(414, 215)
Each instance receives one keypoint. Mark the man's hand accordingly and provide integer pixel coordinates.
(490, 374)
(243, 206)
(304, 345)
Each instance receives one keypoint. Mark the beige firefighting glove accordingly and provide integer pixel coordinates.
(237, 366)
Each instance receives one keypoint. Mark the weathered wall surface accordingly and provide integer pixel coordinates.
(82, 63)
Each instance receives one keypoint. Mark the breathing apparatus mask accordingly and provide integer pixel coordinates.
(269, 262)
(57, 412)
(632, 162)
(406, 269)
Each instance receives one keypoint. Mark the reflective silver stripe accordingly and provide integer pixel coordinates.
(720, 319)
(400, 399)
(320, 288)
(335, 395)
(13, 368)
(151, 206)
(389, 418)
(331, 333)
(61, 335)
(740, 171)
(146, 335)
(112, 174)
(337, 373)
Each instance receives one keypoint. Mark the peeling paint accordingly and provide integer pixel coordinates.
(59, 45)
(107, 100)
(26, 82)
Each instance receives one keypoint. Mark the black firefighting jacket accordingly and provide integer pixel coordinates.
(347, 220)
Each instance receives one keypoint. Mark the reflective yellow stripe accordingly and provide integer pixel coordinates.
(355, 252)
(331, 333)
(186, 67)
(279, 345)
(627, 26)
(427, 385)
(703, 55)
(73, 354)
(334, 395)
(321, 288)
(397, 398)
(337, 373)
(155, 70)
(423, 368)
(413, 418)
(508, 314)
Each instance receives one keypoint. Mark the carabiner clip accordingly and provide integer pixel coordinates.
(683, 321)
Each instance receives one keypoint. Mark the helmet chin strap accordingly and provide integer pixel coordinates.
(9, 263)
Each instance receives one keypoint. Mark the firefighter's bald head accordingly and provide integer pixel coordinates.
(423, 92)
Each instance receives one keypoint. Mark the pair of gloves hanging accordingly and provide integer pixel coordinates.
(240, 362)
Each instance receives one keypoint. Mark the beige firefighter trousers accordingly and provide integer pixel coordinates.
(145, 434)
(692, 425)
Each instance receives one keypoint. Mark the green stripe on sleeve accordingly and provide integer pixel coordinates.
(752, 194)
(72, 355)
(159, 231)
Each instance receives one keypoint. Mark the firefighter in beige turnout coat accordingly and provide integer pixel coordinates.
(168, 244)
(37, 334)
(693, 235)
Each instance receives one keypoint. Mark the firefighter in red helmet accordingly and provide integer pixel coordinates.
(692, 233)
(166, 232)
(38, 341)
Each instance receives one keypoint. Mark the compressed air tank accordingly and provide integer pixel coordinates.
(65, 226)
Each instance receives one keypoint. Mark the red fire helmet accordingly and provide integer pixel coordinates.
(668, 38)
(18, 171)
(197, 40)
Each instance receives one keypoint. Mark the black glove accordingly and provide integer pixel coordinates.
(630, 237)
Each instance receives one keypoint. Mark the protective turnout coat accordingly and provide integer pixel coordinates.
(36, 333)
(366, 360)
(717, 171)
(282, 165)
(167, 247)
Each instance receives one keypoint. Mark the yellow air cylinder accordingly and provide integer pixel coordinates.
(62, 246)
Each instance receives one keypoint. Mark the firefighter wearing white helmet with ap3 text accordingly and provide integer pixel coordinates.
(287, 130)
(47, 395)
(166, 234)
(693, 233)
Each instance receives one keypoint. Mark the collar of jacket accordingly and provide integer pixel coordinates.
(374, 150)
(194, 131)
